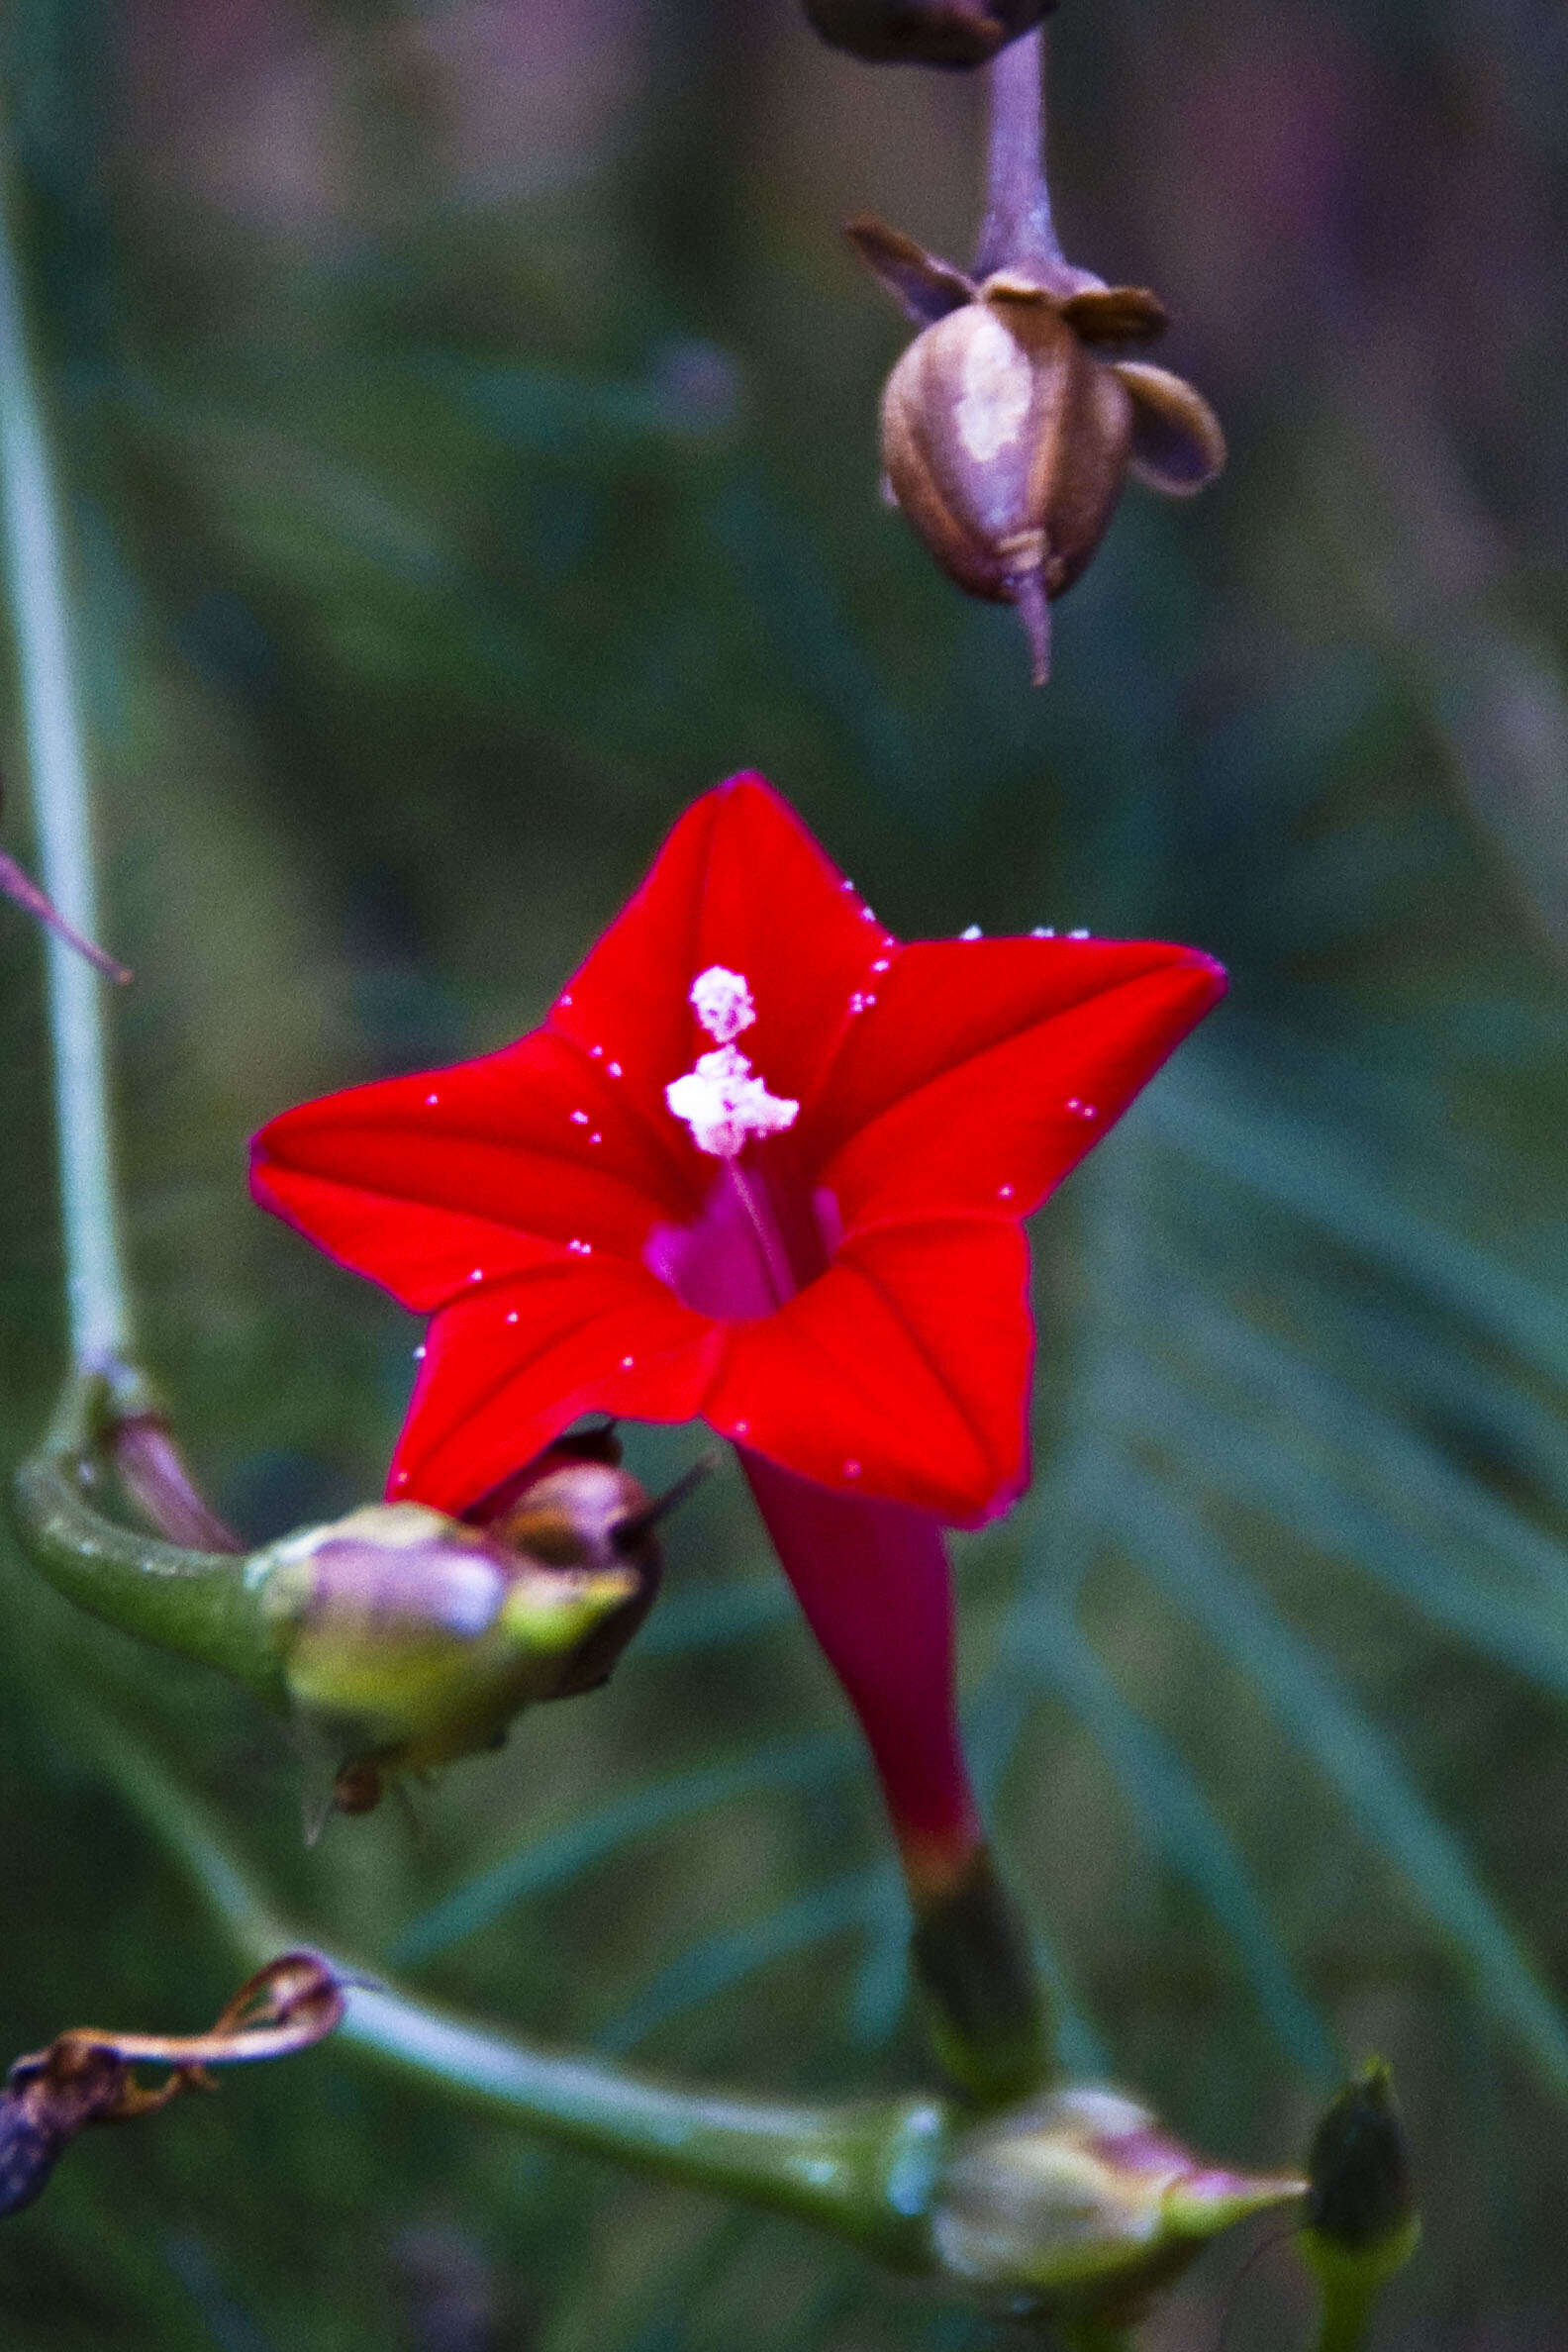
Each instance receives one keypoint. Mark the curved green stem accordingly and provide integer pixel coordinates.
(35, 568)
(865, 2172)
(199, 1605)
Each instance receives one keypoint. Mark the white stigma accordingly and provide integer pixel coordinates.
(722, 1002)
(723, 1100)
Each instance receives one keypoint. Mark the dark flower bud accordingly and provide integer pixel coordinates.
(1081, 2203)
(1361, 2220)
(1010, 425)
(925, 31)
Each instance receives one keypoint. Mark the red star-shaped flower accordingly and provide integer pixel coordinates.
(762, 1165)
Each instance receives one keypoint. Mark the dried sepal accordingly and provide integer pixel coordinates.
(1106, 317)
(925, 31)
(923, 285)
(1178, 443)
(88, 2076)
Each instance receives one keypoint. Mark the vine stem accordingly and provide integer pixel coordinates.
(866, 2170)
(57, 762)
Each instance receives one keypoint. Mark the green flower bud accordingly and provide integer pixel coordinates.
(925, 31)
(1081, 2202)
(1362, 2226)
(409, 1640)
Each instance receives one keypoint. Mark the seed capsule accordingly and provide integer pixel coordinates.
(410, 1639)
(925, 31)
(1083, 2203)
(1009, 426)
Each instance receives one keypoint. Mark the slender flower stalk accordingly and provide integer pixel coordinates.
(1061, 2205)
(57, 760)
(1018, 228)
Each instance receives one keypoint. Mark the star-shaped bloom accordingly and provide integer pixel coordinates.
(761, 1166)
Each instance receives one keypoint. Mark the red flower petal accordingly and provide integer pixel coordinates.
(988, 1068)
(740, 883)
(902, 1374)
(417, 1181)
(873, 1581)
(507, 1368)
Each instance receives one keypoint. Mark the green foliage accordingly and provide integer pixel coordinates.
(442, 529)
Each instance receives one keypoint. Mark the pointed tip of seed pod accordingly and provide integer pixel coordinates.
(1033, 610)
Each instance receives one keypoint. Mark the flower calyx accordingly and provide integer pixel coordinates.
(952, 32)
(1080, 2205)
(409, 1638)
(88, 2076)
(1012, 422)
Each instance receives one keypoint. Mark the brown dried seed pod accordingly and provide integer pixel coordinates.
(1009, 429)
(925, 31)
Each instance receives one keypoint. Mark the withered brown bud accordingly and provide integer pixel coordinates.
(88, 2076)
(1011, 424)
(925, 31)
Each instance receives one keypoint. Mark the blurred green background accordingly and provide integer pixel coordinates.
(468, 414)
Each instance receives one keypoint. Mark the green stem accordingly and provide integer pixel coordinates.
(865, 2172)
(199, 1605)
(1347, 2317)
(35, 567)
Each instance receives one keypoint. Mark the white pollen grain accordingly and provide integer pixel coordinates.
(973, 933)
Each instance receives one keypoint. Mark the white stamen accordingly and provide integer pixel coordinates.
(725, 1103)
(973, 933)
(722, 1002)
(1078, 935)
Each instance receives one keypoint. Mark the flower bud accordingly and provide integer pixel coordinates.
(925, 31)
(409, 1638)
(1082, 2202)
(1361, 2220)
